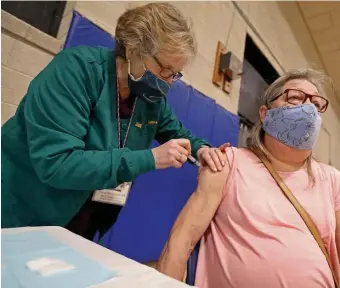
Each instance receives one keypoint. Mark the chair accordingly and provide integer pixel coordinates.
(192, 266)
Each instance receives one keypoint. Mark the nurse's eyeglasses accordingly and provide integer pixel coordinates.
(298, 97)
(167, 73)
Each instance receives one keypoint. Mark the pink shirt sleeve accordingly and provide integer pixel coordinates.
(231, 154)
(336, 187)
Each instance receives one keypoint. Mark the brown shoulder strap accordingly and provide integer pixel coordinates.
(304, 215)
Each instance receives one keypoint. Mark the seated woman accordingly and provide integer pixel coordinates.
(251, 234)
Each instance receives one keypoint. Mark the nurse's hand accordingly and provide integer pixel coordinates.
(173, 153)
(215, 158)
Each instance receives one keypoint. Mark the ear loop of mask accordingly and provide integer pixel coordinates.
(129, 71)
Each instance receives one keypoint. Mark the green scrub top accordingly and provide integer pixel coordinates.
(62, 143)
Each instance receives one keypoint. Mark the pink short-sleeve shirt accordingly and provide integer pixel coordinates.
(258, 240)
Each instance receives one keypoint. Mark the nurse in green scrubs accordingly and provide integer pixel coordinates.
(82, 133)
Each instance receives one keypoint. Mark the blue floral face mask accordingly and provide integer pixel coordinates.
(149, 86)
(296, 126)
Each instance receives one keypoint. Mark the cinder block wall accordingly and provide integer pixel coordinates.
(25, 51)
(20, 62)
(277, 28)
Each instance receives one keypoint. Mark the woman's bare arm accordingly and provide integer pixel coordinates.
(192, 222)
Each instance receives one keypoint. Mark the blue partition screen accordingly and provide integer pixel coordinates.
(157, 197)
(83, 32)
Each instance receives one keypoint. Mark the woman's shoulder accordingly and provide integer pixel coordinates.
(87, 54)
(241, 158)
(326, 171)
(74, 69)
(330, 176)
(78, 65)
(240, 154)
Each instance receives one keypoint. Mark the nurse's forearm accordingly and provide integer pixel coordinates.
(92, 170)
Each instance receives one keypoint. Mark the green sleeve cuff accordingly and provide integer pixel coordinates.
(196, 145)
(135, 163)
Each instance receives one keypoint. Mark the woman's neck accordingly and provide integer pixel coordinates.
(122, 76)
(283, 157)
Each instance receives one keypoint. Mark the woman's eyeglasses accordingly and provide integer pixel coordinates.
(298, 97)
(167, 73)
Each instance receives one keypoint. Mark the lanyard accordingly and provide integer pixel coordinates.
(118, 116)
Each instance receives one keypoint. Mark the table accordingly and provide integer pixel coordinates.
(130, 273)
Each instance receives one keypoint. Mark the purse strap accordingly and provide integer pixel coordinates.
(304, 215)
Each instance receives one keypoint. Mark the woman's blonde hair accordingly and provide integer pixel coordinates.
(149, 28)
(318, 78)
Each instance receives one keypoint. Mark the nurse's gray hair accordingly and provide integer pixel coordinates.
(149, 28)
(318, 78)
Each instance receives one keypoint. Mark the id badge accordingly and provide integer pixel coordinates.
(116, 196)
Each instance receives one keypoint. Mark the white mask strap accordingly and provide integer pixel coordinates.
(129, 71)
(129, 66)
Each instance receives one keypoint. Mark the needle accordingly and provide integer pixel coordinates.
(194, 161)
